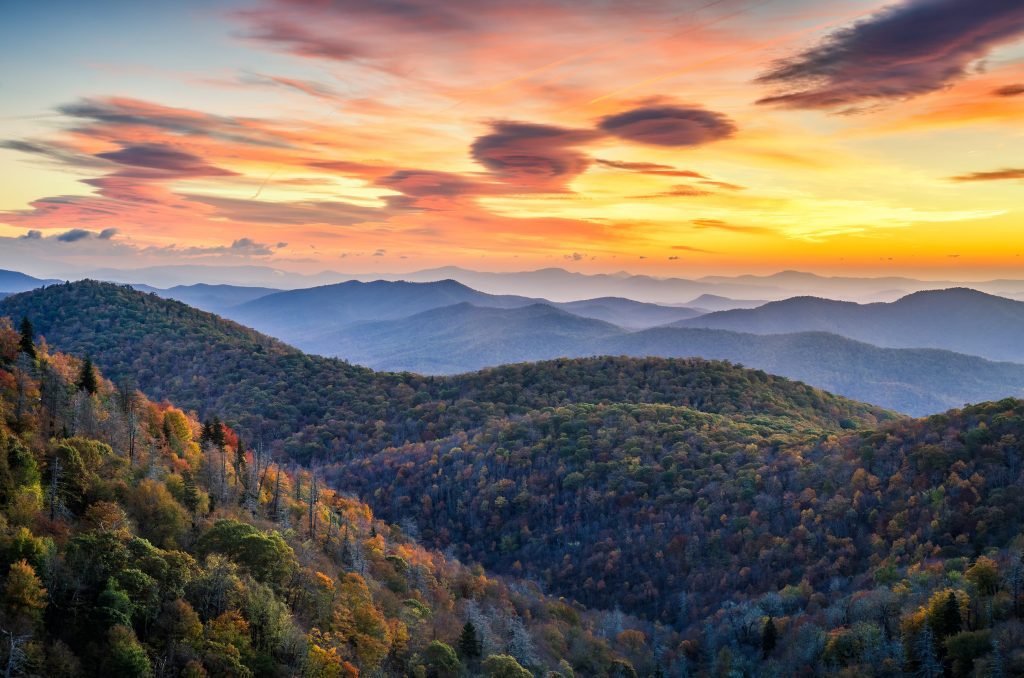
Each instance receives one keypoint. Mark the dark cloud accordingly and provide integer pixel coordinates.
(995, 175)
(380, 253)
(1009, 90)
(649, 168)
(107, 233)
(541, 157)
(669, 126)
(335, 213)
(242, 247)
(165, 160)
(74, 235)
(31, 235)
(905, 50)
(249, 247)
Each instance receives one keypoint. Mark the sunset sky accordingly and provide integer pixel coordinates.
(677, 138)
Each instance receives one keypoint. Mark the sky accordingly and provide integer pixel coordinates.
(672, 138)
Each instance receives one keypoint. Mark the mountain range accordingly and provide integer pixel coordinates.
(448, 328)
(958, 319)
(463, 337)
(560, 285)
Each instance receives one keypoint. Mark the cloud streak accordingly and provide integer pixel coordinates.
(995, 175)
(533, 156)
(906, 50)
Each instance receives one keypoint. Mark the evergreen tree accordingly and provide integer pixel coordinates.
(27, 345)
(469, 644)
(87, 378)
(191, 498)
(947, 621)
(769, 638)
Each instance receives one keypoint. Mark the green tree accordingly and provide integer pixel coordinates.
(442, 662)
(87, 380)
(191, 494)
(947, 621)
(984, 574)
(965, 647)
(26, 344)
(24, 598)
(125, 656)
(504, 666)
(265, 554)
(469, 643)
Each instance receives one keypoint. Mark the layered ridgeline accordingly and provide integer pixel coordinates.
(958, 319)
(135, 541)
(307, 317)
(445, 328)
(777, 529)
(314, 407)
(461, 337)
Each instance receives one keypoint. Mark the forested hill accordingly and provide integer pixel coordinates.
(137, 542)
(315, 407)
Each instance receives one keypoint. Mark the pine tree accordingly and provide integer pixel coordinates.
(87, 378)
(769, 638)
(191, 493)
(947, 620)
(27, 345)
(469, 645)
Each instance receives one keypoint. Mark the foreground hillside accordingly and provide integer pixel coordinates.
(135, 541)
(317, 407)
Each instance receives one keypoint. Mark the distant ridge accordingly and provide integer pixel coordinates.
(958, 319)
(12, 282)
(309, 318)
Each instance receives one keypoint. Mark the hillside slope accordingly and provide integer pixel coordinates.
(137, 542)
(668, 512)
